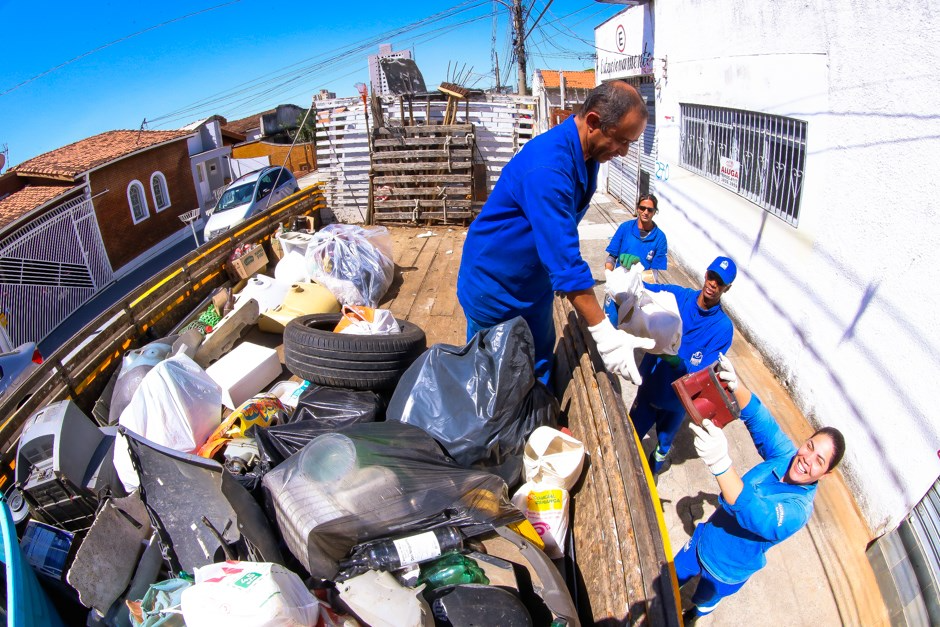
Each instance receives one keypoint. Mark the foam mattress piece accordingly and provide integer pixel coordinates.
(244, 371)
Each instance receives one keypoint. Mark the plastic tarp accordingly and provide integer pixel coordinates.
(376, 480)
(480, 401)
(353, 262)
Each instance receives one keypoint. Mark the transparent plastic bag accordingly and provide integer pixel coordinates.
(375, 480)
(353, 262)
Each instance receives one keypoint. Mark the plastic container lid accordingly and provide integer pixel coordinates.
(328, 457)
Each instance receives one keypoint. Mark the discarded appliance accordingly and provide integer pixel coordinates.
(63, 461)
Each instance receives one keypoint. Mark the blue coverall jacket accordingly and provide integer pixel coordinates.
(736, 538)
(650, 249)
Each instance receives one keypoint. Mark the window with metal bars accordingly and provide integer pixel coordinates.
(760, 157)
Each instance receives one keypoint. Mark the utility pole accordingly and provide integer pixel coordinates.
(519, 25)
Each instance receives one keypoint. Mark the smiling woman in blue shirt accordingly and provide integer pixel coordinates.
(758, 510)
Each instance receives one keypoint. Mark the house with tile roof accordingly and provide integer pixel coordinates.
(74, 219)
(559, 93)
(264, 141)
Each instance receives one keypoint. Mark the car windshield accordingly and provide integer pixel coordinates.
(235, 196)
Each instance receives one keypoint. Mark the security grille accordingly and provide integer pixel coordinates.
(759, 156)
(49, 268)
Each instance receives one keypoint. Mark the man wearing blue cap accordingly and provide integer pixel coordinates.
(706, 332)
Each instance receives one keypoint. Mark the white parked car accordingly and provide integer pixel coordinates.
(247, 196)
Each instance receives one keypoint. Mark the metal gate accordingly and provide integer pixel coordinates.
(623, 176)
(647, 148)
(51, 267)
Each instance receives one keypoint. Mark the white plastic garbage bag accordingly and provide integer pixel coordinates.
(177, 405)
(644, 313)
(353, 262)
(249, 594)
(553, 458)
(546, 507)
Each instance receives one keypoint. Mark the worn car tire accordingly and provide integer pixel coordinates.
(359, 362)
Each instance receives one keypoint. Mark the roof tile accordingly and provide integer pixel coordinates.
(243, 125)
(88, 153)
(21, 202)
(575, 80)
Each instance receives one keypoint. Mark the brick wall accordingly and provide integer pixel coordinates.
(123, 239)
(302, 158)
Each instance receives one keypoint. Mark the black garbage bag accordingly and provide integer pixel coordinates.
(320, 409)
(480, 401)
(375, 480)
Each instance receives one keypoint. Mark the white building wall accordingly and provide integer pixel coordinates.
(844, 305)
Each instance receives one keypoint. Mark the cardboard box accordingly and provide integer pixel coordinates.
(249, 263)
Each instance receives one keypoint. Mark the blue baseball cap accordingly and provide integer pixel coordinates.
(724, 267)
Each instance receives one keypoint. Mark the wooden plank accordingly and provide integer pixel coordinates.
(427, 178)
(411, 167)
(408, 216)
(420, 141)
(434, 283)
(421, 202)
(417, 191)
(412, 279)
(438, 129)
(405, 250)
(456, 153)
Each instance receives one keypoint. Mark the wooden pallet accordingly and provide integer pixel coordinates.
(422, 174)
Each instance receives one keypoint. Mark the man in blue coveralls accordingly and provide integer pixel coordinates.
(706, 332)
(524, 245)
(770, 503)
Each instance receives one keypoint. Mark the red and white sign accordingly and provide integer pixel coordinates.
(730, 174)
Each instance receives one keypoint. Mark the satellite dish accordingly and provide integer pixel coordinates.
(3, 160)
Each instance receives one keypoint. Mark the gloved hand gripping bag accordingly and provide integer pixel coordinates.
(480, 401)
(375, 480)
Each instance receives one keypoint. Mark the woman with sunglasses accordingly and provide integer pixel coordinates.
(639, 241)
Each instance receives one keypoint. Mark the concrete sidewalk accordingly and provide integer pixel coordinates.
(820, 576)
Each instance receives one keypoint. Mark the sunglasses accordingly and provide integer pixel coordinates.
(712, 276)
(649, 209)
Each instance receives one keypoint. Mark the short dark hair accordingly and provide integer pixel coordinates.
(648, 197)
(611, 101)
(838, 444)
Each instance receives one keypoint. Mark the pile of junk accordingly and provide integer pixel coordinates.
(367, 483)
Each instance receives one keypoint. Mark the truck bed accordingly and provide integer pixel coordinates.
(618, 570)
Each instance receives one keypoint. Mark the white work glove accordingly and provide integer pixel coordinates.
(726, 372)
(616, 349)
(620, 281)
(711, 446)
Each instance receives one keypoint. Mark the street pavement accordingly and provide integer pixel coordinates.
(793, 588)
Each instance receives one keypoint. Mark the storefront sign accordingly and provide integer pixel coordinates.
(625, 45)
(730, 174)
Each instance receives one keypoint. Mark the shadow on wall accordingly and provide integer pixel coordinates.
(682, 203)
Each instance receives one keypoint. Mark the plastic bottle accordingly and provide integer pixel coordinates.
(452, 569)
(393, 554)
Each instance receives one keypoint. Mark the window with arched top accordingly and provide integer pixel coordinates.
(161, 196)
(137, 199)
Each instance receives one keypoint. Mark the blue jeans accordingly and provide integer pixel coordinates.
(709, 590)
(542, 327)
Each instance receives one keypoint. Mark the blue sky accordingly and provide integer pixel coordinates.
(215, 56)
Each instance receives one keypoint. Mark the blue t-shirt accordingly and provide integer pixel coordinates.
(705, 333)
(650, 249)
(524, 244)
(736, 538)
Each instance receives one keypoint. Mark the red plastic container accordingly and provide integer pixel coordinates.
(705, 396)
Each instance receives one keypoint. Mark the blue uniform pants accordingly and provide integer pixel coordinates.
(542, 326)
(644, 415)
(709, 590)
